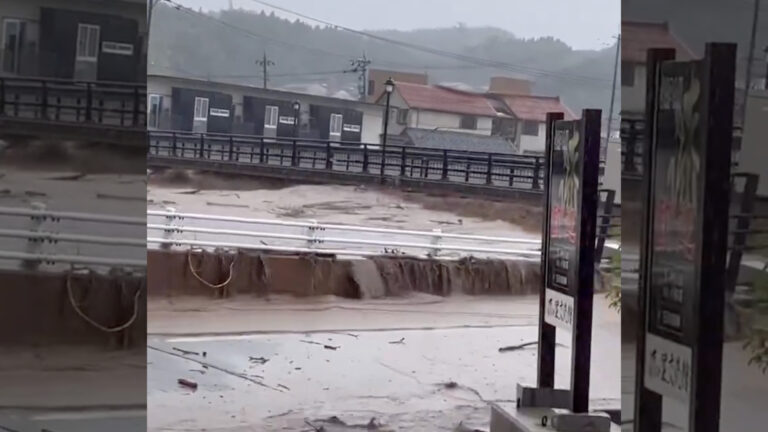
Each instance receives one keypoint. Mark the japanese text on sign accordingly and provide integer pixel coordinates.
(558, 310)
(668, 367)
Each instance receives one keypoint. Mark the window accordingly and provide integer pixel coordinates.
(530, 128)
(201, 108)
(13, 41)
(371, 87)
(627, 74)
(155, 108)
(87, 42)
(270, 117)
(335, 126)
(402, 116)
(468, 122)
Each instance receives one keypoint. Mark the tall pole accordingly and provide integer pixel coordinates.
(613, 90)
(384, 142)
(264, 63)
(750, 60)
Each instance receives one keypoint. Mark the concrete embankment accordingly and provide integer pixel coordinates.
(38, 307)
(222, 274)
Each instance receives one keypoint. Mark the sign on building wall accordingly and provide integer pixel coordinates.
(351, 128)
(117, 48)
(218, 112)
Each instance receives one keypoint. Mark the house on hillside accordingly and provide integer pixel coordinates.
(530, 119)
(636, 39)
(77, 39)
(439, 108)
(507, 111)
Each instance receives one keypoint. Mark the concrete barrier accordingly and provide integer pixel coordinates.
(222, 274)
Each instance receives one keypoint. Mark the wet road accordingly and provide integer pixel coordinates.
(274, 381)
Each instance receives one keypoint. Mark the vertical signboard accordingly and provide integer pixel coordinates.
(687, 223)
(573, 153)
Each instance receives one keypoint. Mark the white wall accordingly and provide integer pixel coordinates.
(373, 125)
(447, 122)
(612, 175)
(633, 98)
(533, 143)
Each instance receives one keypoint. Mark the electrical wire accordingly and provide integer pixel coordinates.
(435, 51)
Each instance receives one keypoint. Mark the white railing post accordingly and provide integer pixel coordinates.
(34, 244)
(436, 242)
(312, 233)
(168, 232)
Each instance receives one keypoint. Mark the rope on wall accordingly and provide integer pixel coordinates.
(194, 271)
(88, 319)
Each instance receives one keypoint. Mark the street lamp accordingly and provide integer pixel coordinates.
(389, 87)
(296, 108)
(765, 84)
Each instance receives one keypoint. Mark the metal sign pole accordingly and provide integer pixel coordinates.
(685, 240)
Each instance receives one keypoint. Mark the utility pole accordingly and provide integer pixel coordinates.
(360, 65)
(751, 59)
(613, 90)
(265, 63)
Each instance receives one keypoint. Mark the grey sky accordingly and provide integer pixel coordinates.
(582, 24)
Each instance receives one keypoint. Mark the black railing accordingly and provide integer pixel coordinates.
(521, 172)
(87, 102)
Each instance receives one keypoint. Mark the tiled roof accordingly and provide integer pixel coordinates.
(536, 107)
(638, 37)
(442, 99)
(448, 140)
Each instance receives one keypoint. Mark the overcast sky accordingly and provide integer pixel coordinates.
(582, 24)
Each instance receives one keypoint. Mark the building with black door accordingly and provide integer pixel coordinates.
(195, 105)
(89, 40)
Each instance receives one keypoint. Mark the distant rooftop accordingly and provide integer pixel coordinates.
(443, 99)
(535, 108)
(638, 37)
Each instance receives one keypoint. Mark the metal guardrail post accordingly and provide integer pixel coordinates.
(489, 170)
(44, 101)
(328, 156)
(402, 162)
(294, 153)
(436, 242)
(313, 231)
(202, 145)
(261, 151)
(173, 143)
(445, 165)
(365, 158)
(88, 102)
(2, 96)
(34, 245)
(168, 233)
(536, 172)
(231, 147)
(135, 106)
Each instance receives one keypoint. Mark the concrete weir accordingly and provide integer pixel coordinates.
(222, 274)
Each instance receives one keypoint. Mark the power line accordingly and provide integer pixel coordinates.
(438, 52)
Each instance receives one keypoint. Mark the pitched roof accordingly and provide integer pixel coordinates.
(638, 37)
(536, 107)
(448, 140)
(435, 98)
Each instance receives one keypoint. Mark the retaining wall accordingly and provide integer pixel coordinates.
(36, 307)
(170, 273)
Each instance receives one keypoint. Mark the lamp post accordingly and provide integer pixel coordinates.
(765, 83)
(296, 111)
(389, 87)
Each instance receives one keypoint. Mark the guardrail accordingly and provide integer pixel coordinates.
(173, 230)
(37, 237)
(89, 102)
(490, 169)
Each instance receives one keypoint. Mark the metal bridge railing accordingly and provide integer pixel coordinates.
(522, 172)
(37, 238)
(88, 102)
(168, 229)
